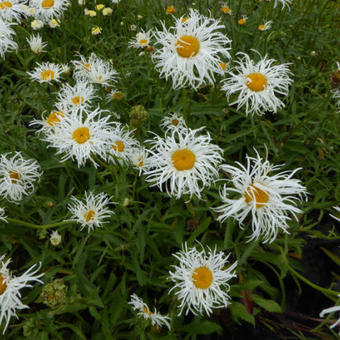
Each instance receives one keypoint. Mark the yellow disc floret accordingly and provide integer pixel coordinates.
(254, 193)
(5, 4)
(14, 176)
(47, 75)
(256, 82)
(202, 277)
(187, 46)
(118, 146)
(46, 4)
(54, 117)
(78, 100)
(3, 284)
(81, 135)
(183, 159)
(89, 215)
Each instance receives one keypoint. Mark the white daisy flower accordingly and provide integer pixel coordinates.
(17, 176)
(201, 280)
(79, 138)
(77, 97)
(2, 215)
(284, 3)
(141, 40)
(258, 84)
(37, 24)
(190, 51)
(121, 144)
(143, 310)
(173, 121)
(92, 211)
(51, 120)
(139, 159)
(11, 10)
(332, 310)
(337, 209)
(6, 38)
(46, 72)
(49, 9)
(55, 238)
(184, 162)
(225, 9)
(266, 26)
(94, 70)
(10, 286)
(36, 44)
(336, 96)
(267, 198)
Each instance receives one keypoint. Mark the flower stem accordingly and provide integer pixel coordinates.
(37, 226)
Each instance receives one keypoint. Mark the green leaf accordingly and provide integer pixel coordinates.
(268, 305)
(240, 312)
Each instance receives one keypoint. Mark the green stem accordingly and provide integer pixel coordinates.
(37, 226)
(327, 292)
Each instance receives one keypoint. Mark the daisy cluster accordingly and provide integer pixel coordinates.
(182, 162)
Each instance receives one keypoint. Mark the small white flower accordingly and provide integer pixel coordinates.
(17, 176)
(332, 310)
(189, 52)
(268, 198)
(10, 286)
(6, 38)
(107, 11)
(172, 122)
(55, 238)
(133, 27)
(46, 72)
(77, 97)
(115, 1)
(258, 85)
(79, 138)
(201, 280)
(121, 144)
(37, 24)
(2, 215)
(11, 10)
(143, 311)
(36, 44)
(265, 27)
(284, 3)
(139, 159)
(53, 23)
(96, 30)
(94, 70)
(225, 9)
(92, 211)
(46, 10)
(141, 40)
(337, 209)
(184, 162)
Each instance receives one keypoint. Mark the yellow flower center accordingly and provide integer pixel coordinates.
(47, 75)
(78, 100)
(118, 146)
(202, 277)
(222, 65)
(255, 193)
(242, 21)
(147, 311)
(175, 122)
(81, 135)
(53, 118)
(47, 4)
(5, 4)
(87, 67)
(89, 216)
(143, 42)
(256, 82)
(170, 10)
(225, 10)
(187, 46)
(184, 20)
(14, 176)
(3, 284)
(141, 163)
(262, 27)
(183, 159)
